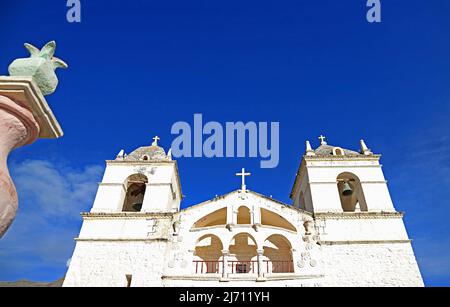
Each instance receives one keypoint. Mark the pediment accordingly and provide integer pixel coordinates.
(214, 212)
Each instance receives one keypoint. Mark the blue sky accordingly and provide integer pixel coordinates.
(316, 67)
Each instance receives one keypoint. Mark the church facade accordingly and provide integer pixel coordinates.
(341, 229)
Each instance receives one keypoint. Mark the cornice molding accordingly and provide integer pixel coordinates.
(363, 242)
(121, 240)
(144, 163)
(342, 158)
(362, 182)
(127, 215)
(358, 215)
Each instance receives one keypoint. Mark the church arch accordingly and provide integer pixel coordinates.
(135, 191)
(208, 252)
(269, 218)
(216, 218)
(351, 193)
(243, 216)
(243, 254)
(278, 254)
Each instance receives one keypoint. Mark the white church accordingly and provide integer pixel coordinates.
(341, 229)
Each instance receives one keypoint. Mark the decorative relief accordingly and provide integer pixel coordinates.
(243, 195)
(311, 253)
(320, 227)
(309, 228)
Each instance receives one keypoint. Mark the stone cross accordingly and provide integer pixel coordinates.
(155, 141)
(322, 140)
(243, 174)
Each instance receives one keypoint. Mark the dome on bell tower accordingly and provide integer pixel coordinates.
(149, 153)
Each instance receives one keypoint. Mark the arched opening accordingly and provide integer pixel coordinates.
(278, 255)
(216, 218)
(337, 151)
(208, 253)
(243, 257)
(351, 193)
(269, 218)
(243, 217)
(134, 198)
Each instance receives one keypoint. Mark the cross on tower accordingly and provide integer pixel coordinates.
(243, 174)
(322, 140)
(155, 141)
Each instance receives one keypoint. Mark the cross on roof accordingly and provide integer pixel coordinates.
(243, 174)
(155, 141)
(322, 140)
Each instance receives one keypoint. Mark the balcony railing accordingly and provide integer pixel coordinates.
(278, 266)
(208, 267)
(243, 267)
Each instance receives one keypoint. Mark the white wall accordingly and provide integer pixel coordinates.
(106, 264)
(367, 265)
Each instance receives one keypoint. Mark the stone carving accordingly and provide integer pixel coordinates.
(311, 247)
(309, 228)
(41, 66)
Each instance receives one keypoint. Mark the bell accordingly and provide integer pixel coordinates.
(347, 189)
(137, 207)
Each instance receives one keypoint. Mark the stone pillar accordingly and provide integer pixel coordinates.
(231, 218)
(225, 254)
(261, 276)
(24, 117)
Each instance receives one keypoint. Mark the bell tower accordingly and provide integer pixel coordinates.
(146, 180)
(126, 237)
(360, 232)
(333, 179)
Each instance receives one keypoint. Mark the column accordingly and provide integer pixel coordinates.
(260, 253)
(225, 254)
(256, 217)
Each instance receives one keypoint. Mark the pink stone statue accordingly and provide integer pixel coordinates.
(25, 116)
(17, 128)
